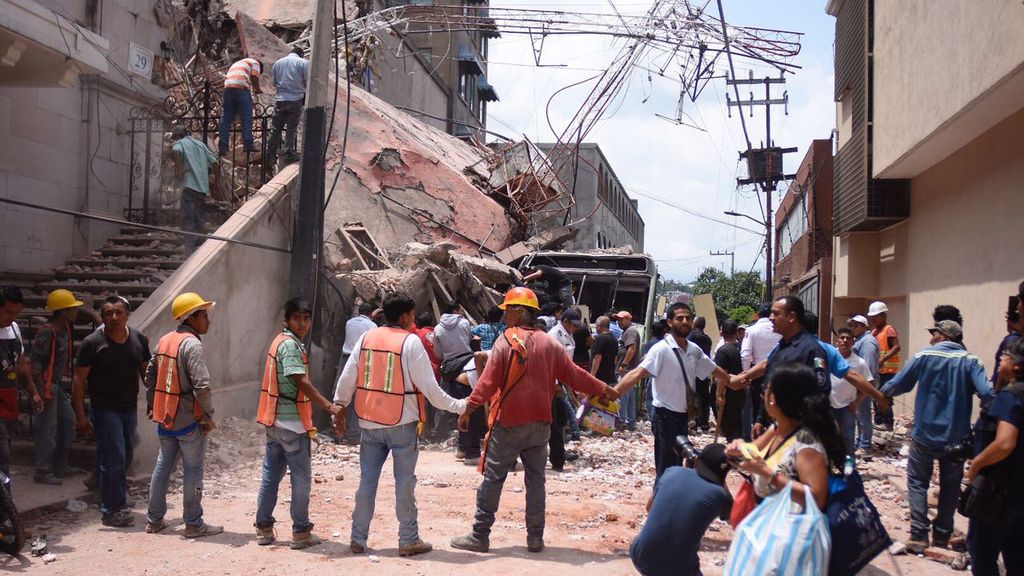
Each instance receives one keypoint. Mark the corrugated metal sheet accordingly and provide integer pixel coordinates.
(850, 176)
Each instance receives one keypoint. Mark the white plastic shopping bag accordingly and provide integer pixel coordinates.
(771, 541)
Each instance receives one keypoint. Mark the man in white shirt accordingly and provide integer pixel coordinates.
(675, 364)
(389, 419)
(569, 322)
(759, 341)
(845, 399)
(356, 326)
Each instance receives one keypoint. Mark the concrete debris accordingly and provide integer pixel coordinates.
(554, 238)
(51, 557)
(292, 14)
(75, 505)
(413, 253)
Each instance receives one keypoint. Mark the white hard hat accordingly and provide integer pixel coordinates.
(877, 308)
(860, 319)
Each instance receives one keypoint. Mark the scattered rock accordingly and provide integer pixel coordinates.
(374, 558)
(75, 505)
(51, 557)
(898, 549)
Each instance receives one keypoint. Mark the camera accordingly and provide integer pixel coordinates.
(962, 451)
(686, 450)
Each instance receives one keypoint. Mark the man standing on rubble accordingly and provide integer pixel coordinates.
(355, 327)
(179, 400)
(519, 382)
(290, 75)
(192, 159)
(111, 362)
(390, 377)
(628, 358)
(560, 409)
(14, 365)
(240, 83)
(287, 396)
(452, 348)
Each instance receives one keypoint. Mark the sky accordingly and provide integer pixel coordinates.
(655, 157)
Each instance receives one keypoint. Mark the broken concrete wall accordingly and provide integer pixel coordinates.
(250, 287)
(406, 181)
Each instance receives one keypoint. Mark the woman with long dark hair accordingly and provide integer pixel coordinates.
(802, 447)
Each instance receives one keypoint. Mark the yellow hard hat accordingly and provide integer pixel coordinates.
(61, 299)
(520, 297)
(187, 303)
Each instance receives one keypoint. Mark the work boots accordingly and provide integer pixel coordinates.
(265, 536)
(417, 547)
(471, 543)
(301, 540)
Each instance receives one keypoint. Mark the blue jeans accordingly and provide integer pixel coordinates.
(236, 102)
(285, 449)
(574, 425)
(920, 464)
(374, 446)
(115, 431)
(53, 433)
(627, 407)
(847, 422)
(865, 426)
(192, 447)
(987, 540)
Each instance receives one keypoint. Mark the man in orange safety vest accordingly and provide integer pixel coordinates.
(388, 379)
(178, 400)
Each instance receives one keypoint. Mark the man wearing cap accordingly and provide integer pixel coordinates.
(560, 414)
(866, 347)
(628, 358)
(759, 341)
(192, 159)
(53, 368)
(519, 382)
(684, 504)
(179, 400)
(948, 375)
(889, 355)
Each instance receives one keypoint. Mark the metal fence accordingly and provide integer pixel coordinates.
(150, 171)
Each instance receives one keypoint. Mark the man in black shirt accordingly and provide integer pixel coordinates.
(703, 341)
(559, 285)
(111, 363)
(730, 402)
(603, 352)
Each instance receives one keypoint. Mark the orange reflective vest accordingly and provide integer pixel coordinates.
(48, 373)
(167, 390)
(270, 389)
(892, 365)
(380, 380)
(517, 340)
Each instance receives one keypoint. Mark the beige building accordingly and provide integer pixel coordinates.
(929, 169)
(70, 72)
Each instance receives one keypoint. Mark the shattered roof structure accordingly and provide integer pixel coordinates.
(405, 180)
(284, 13)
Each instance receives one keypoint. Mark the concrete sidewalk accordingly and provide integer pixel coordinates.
(30, 496)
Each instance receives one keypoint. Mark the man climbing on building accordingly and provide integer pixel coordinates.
(179, 400)
(111, 363)
(388, 380)
(519, 382)
(53, 368)
(192, 159)
(240, 83)
(14, 365)
(290, 75)
(559, 284)
(287, 396)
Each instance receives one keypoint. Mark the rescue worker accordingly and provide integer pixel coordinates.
(53, 368)
(390, 376)
(287, 396)
(179, 400)
(519, 382)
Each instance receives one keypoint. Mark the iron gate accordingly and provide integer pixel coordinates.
(149, 169)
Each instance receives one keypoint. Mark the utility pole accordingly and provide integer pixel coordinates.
(308, 230)
(732, 256)
(764, 165)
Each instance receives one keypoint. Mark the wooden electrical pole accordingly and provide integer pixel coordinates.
(764, 165)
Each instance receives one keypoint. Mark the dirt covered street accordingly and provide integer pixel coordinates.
(594, 509)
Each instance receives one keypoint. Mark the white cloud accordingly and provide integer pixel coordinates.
(680, 164)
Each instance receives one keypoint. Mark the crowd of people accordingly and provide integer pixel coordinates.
(794, 410)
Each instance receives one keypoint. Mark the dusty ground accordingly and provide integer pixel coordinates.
(595, 508)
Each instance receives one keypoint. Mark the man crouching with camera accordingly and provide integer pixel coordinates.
(685, 502)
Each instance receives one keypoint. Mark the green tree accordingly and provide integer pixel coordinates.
(742, 289)
(742, 314)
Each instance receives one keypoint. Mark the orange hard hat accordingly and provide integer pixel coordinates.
(520, 297)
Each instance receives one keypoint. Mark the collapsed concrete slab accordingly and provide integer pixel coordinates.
(294, 14)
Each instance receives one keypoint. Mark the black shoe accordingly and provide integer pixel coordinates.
(557, 467)
(534, 543)
(119, 519)
(471, 543)
(571, 456)
(575, 437)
